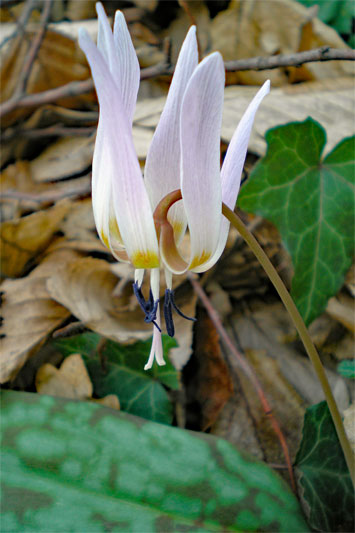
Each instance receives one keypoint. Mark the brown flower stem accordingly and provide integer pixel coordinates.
(302, 330)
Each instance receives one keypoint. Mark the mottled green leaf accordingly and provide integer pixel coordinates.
(311, 201)
(324, 480)
(346, 368)
(120, 370)
(80, 467)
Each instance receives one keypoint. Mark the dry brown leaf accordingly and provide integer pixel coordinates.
(209, 385)
(85, 287)
(349, 424)
(85, 9)
(20, 141)
(111, 400)
(327, 101)
(79, 230)
(57, 62)
(29, 314)
(342, 309)
(71, 380)
(17, 177)
(249, 29)
(64, 158)
(266, 329)
(22, 239)
(243, 420)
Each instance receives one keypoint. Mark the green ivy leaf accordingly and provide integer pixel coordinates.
(120, 371)
(346, 368)
(325, 484)
(77, 466)
(311, 202)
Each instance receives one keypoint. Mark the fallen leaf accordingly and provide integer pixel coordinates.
(327, 101)
(250, 29)
(342, 310)
(349, 424)
(110, 400)
(57, 62)
(265, 329)
(71, 380)
(66, 157)
(85, 287)
(208, 382)
(23, 238)
(29, 314)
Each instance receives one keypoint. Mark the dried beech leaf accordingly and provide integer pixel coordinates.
(342, 310)
(17, 177)
(57, 63)
(64, 158)
(349, 424)
(111, 400)
(85, 287)
(29, 313)
(71, 380)
(269, 28)
(328, 101)
(22, 239)
(79, 230)
(209, 383)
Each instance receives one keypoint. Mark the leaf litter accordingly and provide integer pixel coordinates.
(57, 271)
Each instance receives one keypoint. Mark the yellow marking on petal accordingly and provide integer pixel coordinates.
(177, 227)
(146, 259)
(113, 228)
(104, 239)
(199, 260)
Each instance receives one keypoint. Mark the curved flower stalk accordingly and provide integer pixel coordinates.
(184, 154)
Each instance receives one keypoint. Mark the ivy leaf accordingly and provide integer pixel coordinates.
(120, 370)
(324, 480)
(311, 202)
(78, 466)
(346, 368)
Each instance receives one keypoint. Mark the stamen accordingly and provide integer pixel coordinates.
(169, 303)
(172, 299)
(168, 314)
(149, 307)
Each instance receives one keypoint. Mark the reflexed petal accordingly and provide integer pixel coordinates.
(201, 117)
(162, 168)
(233, 165)
(121, 58)
(116, 163)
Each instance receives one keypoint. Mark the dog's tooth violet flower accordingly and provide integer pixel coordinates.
(184, 155)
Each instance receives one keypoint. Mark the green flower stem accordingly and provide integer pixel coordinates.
(302, 330)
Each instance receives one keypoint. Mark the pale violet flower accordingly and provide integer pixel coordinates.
(184, 154)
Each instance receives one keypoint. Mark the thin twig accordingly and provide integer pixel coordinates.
(52, 131)
(247, 369)
(21, 22)
(33, 51)
(77, 88)
(325, 53)
(48, 196)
